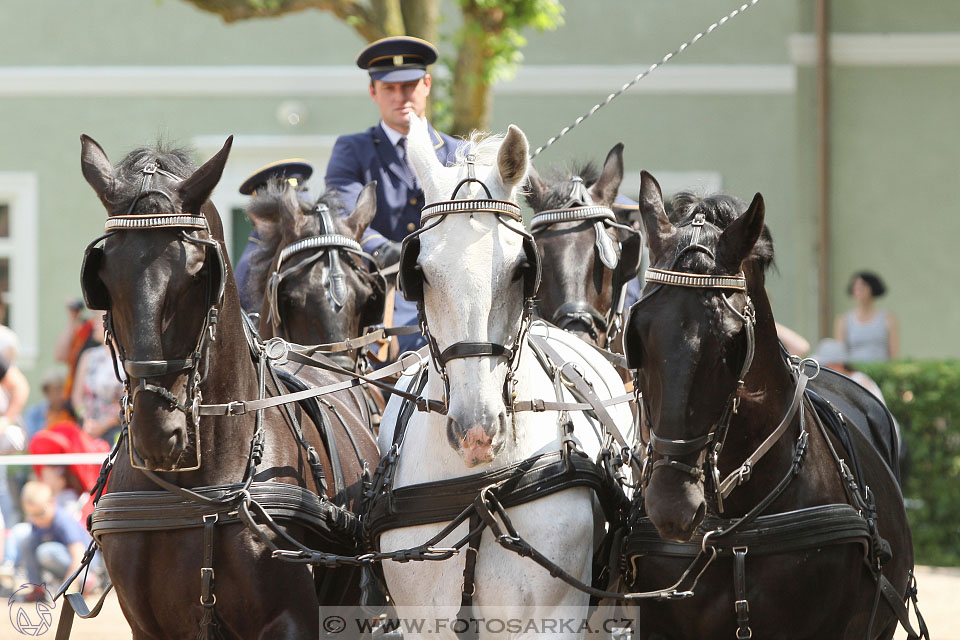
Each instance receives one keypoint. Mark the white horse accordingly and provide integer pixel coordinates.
(473, 269)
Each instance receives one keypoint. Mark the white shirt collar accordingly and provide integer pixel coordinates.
(392, 134)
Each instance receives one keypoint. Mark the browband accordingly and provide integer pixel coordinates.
(696, 280)
(574, 214)
(156, 221)
(471, 206)
(319, 242)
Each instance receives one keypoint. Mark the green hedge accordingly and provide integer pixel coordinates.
(925, 399)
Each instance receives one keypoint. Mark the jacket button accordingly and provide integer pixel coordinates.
(413, 200)
(411, 226)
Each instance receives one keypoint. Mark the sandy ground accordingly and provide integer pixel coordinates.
(939, 603)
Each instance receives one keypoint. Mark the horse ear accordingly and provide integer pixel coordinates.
(363, 212)
(421, 153)
(196, 189)
(97, 169)
(536, 186)
(737, 240)
(513, 157)
(604, 190)
(657, 226)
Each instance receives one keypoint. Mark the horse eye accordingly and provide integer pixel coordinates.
(521, 269)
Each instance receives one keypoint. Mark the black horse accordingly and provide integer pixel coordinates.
(588, 255)
(169, 524)
(741, 464)
(318, 288)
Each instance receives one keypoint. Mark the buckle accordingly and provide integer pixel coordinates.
(538, 405)
(236, 408)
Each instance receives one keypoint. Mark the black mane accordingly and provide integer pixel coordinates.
(719, 210)
(558, 186)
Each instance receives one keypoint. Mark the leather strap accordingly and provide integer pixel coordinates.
(740, 605)
(895, 600)
(469, 587)
(537, 405)
(240, 407)
(73, 604)
(154, 368)
(586, 392)
(208, 599)
(474, 350)
(742, 474)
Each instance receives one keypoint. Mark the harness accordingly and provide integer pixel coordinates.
(581, 208)
(800, 529)
(410, 279)
(329, 244)
(176, 507)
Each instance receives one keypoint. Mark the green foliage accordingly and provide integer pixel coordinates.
(499, 24)
(925, 399)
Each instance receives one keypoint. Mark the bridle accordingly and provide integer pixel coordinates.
(196, 364)
(580, 207)
(411, 281)
(327, 245)
(669, 449)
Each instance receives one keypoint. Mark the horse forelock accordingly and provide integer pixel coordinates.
(129, 171)
(557, 180)
(719, 210)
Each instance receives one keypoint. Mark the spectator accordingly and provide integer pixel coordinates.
(76, 337)
(96, 392)
(71, 484)
(53, 407)
(14, 390)
(52, 541)
(870, 334)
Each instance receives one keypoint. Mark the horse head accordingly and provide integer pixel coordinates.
(690, 337)
(318, 287)
(162, 279)
(585, 263)
(472, 271)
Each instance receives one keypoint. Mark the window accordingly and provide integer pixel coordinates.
(18, 260)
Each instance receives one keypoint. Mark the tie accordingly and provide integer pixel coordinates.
(402, 152)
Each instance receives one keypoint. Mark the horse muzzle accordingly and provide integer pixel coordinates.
(478, 443)
(675, 504)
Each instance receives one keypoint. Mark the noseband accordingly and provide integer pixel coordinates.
(669, 448)
(197, 363)
(580, 208)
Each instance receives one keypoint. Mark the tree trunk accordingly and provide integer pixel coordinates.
(420, 18)
(389, 15)
(471, 93)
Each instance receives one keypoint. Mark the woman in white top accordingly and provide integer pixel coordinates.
(870, 334)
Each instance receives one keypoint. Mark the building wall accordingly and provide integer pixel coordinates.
(737, 109)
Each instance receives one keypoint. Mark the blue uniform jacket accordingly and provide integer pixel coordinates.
(361, 157)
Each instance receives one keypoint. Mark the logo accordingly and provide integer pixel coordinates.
(31, 609)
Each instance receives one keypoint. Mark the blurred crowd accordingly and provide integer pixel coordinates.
(43, 508)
